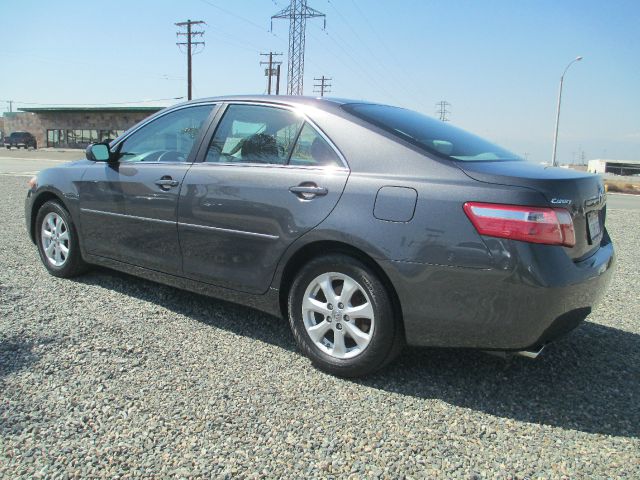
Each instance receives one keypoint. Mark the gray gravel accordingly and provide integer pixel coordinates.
(112, 376)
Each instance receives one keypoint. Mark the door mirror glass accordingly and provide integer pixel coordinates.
(98, 152)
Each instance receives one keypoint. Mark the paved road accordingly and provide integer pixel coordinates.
(618, 201)
(30, 162)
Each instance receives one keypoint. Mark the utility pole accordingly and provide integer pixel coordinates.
(278, 79)
(189, 34)
(442, 110)
(297, 13)
(270, 71)
(323, 86)
(10, 102)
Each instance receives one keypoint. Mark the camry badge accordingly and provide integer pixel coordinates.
(560, 201)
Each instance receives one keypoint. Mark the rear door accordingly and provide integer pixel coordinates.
(267, 176)
(128, 208)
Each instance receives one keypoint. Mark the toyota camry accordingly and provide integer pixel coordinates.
(367, 226)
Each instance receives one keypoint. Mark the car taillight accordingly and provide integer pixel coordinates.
(552, 226)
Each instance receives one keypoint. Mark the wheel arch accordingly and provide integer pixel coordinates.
(38, 201)
(325, 247)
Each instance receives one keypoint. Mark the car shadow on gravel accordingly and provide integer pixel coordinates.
(232, 317)
(15, 354)
(587, 381)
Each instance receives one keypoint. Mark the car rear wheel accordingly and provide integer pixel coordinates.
(342, 316)
(57, 241)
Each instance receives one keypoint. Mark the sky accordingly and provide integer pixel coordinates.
(497, 62)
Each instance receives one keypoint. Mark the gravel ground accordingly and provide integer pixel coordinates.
(113, 376)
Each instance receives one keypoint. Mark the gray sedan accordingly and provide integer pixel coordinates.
(367, 226)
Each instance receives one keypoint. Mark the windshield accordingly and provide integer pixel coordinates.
(429, 134)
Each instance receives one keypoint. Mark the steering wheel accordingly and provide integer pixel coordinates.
(170, 156)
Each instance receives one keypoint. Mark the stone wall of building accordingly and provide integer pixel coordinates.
(25, 122)
(38, 123)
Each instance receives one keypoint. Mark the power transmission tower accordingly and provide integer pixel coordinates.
(189, 34)
(297, 13)
(273, 70)
(442, 110)
(323, 86)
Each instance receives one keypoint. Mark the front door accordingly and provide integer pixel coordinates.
(128, 208)
(268, 177)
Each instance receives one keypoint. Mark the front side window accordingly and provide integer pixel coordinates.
(254, 134)
(168, 138)
(429, 134)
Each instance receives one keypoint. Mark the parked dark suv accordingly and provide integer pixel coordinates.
(20, 139)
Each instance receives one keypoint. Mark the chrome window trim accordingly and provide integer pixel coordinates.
(297, 111)
(323, 168)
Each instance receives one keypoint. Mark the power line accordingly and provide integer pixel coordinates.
(354, 62)
(240, 17)
(190, 34)
(272, 70)
(404, 77)
(323, 87)
(297, 13)
(442, 110)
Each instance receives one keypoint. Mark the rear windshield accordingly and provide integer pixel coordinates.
(429, 134)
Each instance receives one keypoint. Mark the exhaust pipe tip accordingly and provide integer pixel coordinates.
(533, 354)
(505, 354)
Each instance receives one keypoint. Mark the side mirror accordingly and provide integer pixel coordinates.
(98, 152)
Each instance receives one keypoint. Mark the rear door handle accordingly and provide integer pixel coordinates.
(308, 191)
(167, 182)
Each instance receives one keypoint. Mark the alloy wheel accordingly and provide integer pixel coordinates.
(55, 239)
(338, 315)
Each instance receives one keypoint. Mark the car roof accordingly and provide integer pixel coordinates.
(324, 103)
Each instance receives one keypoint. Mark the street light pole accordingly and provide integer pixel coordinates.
(555, 137)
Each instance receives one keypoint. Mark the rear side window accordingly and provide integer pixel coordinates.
(254, 134)
(429, 134)
(312, 150)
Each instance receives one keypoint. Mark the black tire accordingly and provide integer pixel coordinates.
(73, 264)
(387, 338)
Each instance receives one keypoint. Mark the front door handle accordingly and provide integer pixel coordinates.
(167, 183)
(308, 190)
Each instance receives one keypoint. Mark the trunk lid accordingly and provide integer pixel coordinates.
(581, 193)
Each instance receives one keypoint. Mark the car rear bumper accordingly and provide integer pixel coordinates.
(540, 296)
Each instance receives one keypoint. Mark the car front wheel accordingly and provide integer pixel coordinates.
(342, 316)
(58, 241)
